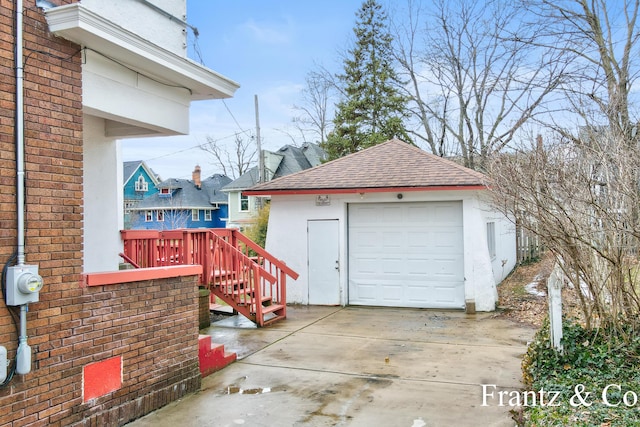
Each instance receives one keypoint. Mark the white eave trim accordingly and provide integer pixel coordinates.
(76, 23)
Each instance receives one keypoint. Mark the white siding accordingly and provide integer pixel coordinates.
(287, 233)
(103, 198)
(149, 24)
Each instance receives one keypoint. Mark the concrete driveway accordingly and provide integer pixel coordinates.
(355, 366)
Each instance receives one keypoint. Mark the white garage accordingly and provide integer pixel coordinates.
(406, 255)
(389, 226)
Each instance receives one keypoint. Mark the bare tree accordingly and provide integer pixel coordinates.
(473, 77)
(235, 160)
(314, 121)
(580, 197)
(598, 40)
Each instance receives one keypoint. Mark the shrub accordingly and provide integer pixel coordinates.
(258, 231)
(592, 359)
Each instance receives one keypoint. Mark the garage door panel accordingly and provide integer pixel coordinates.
(390, 213)
(416, 214)
(419, 267)
(366, 265)
(392, 294)
(392, 266)
(444, 295)
(392, 240)
(368, 215)
(366, 239)
(447, 268)
(419, 240)
(366, 292)
(406, 255)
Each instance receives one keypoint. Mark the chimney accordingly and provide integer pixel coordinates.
(196, 177)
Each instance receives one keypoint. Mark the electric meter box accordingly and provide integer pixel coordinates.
(23, 284)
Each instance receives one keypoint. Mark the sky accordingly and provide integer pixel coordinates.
(268, 47)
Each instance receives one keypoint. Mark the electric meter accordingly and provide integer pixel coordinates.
(23, 284)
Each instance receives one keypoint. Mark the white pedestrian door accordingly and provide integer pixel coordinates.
(323, 258)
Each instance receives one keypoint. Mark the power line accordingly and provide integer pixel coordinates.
(245, 131)
(191, 148)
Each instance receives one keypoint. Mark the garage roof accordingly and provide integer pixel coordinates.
(390, 166)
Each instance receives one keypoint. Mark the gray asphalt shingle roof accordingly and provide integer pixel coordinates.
(129, 168)
(292, 160)
(185, 195)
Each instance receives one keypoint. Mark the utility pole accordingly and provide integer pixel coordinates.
(260, 157)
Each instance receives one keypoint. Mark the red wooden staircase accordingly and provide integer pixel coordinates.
(236, 270)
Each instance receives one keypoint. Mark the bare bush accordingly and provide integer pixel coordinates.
(582, 197)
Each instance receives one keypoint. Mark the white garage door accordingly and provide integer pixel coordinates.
(406, 255)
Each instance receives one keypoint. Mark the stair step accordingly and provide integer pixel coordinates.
(271, 320)
(229, 282)
(267, 308)
(271, 308)
(212, 357)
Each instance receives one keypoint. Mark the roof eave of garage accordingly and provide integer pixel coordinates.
(315, 191)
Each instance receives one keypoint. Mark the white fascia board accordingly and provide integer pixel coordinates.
(78, 24)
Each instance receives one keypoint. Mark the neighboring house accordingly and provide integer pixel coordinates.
(95, 346)
(183, 203)
(139, 182)
(389, 226)
(287, 160)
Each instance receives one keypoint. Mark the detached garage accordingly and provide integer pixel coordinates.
(389, 226)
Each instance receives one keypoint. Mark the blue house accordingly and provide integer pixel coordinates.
(183, 203)
(139, 181)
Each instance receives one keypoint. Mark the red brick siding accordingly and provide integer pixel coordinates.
(153, 325)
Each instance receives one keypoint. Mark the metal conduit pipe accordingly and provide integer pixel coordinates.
(23, 354)
(19, 59)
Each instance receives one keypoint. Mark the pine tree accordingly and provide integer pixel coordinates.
(372, 110)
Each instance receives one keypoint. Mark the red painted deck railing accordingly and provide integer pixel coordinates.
(235, 269)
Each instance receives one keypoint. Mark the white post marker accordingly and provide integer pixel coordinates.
(554, 290)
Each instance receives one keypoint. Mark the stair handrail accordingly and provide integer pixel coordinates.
(258, 273)
(261, 252)
(243, 256)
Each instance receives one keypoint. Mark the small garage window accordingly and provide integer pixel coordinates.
(491, 239)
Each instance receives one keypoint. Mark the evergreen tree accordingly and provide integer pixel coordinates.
(372, 110)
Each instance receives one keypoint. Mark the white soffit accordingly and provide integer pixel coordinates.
(78, 24)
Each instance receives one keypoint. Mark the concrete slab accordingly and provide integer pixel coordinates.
(355, 366)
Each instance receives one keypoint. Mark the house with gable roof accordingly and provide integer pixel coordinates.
(391, 225)
(287, 160)
(183, 203)
(140, 181)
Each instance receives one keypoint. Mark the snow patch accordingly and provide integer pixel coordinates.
(532, 288)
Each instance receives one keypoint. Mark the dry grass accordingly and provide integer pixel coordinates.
(519, 304)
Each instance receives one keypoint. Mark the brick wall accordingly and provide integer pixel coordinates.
(153, 326)
(73, 326)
